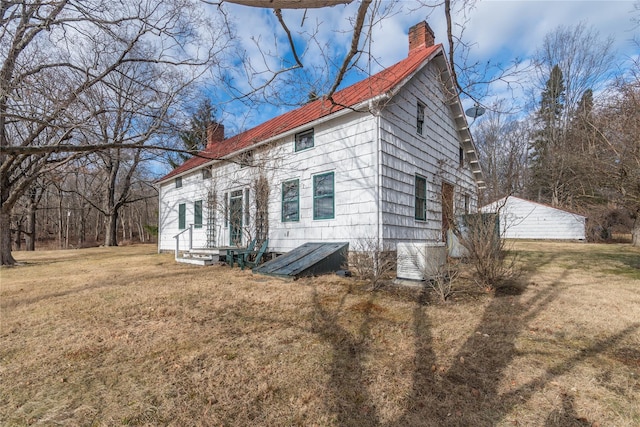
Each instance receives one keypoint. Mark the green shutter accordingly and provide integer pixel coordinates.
(182, 216)
(197, 214)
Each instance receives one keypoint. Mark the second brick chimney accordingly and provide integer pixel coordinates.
(215, 133)
(420, 35)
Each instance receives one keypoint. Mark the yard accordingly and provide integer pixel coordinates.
(125, 336)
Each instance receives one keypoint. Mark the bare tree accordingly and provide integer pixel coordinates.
(54, 52)
(618, 165)
(583, 56)
(502, 142)
(572, 62)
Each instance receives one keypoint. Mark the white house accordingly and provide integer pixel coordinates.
(391, 159)
(524, 219)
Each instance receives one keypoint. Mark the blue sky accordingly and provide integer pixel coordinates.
(499, 30)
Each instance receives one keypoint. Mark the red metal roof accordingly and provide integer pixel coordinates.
(371, 87)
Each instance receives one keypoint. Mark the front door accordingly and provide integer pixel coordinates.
(235, 218)
(447, 209)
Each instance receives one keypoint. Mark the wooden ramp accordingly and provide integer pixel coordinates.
(309, 259)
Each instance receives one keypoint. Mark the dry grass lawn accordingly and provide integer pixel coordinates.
(125, 336)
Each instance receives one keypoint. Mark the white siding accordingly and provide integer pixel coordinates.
(348, 146)
(344, 146)
(433, 155)
(523, 219)
(194, 188)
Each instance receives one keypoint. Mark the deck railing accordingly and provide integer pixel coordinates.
(177, 237)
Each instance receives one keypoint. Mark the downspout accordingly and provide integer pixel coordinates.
(159, 236)
(378, 157)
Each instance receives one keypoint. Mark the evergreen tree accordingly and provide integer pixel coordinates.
(546, 150)
(194, 139)
(585, 106)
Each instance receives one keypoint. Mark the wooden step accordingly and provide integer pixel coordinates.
(196, 260)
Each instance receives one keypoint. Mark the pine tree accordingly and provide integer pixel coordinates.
(194, 139)
(546, 150)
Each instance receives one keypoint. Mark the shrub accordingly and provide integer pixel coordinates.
(479, 234)
(372, 261)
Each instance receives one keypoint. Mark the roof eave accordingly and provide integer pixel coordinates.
(469, 147)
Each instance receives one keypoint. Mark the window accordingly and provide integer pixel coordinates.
(179, 182)
(206, 173)
(235, 217)
(182, 216)
(304, 140)
(226, 210)
(197, 214)
(247, 215)
(291, 201)
(467, 204)
(420, 118)
(246, 159)
(323, 196)
(421, 198)
(461, 156)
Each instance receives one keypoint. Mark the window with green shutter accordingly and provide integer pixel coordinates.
(421, 198)
(304, 140)
(323, 196)
(291, 201)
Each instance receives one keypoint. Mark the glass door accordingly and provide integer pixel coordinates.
(235, 218)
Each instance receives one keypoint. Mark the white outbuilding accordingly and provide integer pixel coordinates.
(524, 219)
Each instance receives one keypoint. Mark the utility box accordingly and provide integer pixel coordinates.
(420, 260)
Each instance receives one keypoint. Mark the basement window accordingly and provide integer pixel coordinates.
(304, 140)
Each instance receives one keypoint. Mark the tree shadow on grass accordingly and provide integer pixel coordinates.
(471, 391)
(349, 399)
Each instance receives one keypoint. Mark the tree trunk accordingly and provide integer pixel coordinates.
(31, 234)
(19, 233)
(5, 239)
(60, 221)
(82, 236)
(635, 231)
(111, 233)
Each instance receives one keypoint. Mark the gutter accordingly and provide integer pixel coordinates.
(358, 108)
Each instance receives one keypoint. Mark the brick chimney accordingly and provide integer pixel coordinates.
(215, 133)
(420, 35)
